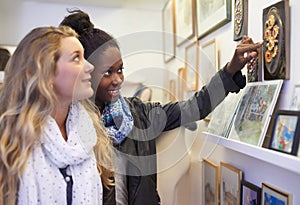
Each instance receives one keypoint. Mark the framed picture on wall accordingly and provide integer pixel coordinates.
(272, 195)
(211, 15)
(276, 36)
(169, 40)
(185, 13)
(172, 91)
(191, 66)
(231, 177)
(210, 178)
(295, 102)
(240, 19)
(181, 83)
(286, 132)
(208, 60)
(256, 106)
(251, 194)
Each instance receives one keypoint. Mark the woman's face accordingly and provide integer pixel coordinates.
(72, 80)
(108, 76)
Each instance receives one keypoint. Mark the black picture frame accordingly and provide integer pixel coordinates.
(240, 19)
(285, 134)
(250, 193)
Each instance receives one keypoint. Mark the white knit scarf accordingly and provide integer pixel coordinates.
(42, 182)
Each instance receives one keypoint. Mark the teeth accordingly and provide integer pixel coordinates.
(114, 92)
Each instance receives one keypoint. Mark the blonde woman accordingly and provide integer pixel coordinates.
(52, 148)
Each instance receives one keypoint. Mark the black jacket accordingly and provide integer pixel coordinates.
(136, 156)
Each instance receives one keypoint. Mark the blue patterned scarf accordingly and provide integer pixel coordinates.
(117, 120)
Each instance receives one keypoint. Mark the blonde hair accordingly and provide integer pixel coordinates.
(27, 98)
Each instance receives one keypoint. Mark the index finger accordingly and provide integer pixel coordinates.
(249, 47)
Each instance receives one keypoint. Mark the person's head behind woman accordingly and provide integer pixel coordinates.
(102, 50)
(27, 98)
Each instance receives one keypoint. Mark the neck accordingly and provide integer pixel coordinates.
(60, 115)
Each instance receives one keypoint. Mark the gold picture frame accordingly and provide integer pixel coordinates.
(210, 177)
(191, 66)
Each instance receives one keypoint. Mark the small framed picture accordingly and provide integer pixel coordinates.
(285, 135)
(271, 195)
(191, 66)
(251, 194)
(181, 83)
(230, 191)
(295, 102)
(210, 183)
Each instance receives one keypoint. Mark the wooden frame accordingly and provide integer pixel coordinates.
(169, 30)
(276, 35)
(295, 102)
(240, 19)
(272, 195)
(172, 91)
(286, 132)
(191, 66)
(250, 193)
(254, 112)
(210, 176)
(212, 17)
(181, 83)
(230, 192)
(185, 13)
(208, 60)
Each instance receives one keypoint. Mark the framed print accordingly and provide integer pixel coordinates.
(181, 83)
(295, 102)
(276, 36)
(210, 183)
(286, 132)
(251, 194)
(172, 91)
(240, 19)
(211, 15)
(169, 40)
(208, 61)
(254, 111)
(230, 184)
(222, 116)
(273, 196)
(191, 66)
(185, 13)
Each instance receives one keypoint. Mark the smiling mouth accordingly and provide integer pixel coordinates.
(114, 92)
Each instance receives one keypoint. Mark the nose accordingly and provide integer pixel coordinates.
(117, 78)
(88, 68)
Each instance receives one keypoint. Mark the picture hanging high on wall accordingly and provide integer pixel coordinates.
(169, 40)
(240, 19)
(276, 36)
(191, 66)
(211, 15)
(254, 111)
(185, 13)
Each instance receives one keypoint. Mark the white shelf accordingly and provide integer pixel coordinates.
(286, 161)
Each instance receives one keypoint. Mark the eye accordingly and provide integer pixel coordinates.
(120, 70)
(76, 58)
(107, 73)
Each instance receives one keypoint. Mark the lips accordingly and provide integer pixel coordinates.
(114, 92)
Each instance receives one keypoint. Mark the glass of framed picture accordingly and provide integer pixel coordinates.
(271, 195)
(251, 194)
(254, 111)
(211, 15)
(191, 66)
(185, 13)
(210, 183)
(295, 102)
(181, 83)
(169, 40)
(286, 132)
(230, 191)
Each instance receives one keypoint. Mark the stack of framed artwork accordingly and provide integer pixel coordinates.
(226, 184)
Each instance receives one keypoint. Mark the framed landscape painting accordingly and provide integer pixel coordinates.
(211, 15)
(254, 111)
(169, 40)
(231, 177)
(210, 183)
